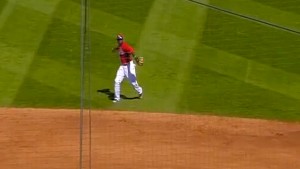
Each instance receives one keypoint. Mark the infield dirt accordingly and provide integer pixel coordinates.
(49, 139)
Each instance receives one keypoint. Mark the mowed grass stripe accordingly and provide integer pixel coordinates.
(253, 41)
(286, 5)
(251, 72)
(9, 81)
(20, 37)
(59, 57)
(2, 5)
(53, 73)
(168, 39)
(134, 10)
(32, 93)
(65, 76)
(14, 69)
(7, 8)
(210, 92)
(100, 21)
(14, 59)
(261, 11)
(44, 6)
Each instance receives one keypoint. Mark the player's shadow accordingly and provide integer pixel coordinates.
(111, 95)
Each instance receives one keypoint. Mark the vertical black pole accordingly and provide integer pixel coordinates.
(82, 79)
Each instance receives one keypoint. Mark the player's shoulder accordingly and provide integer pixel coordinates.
(126, 45)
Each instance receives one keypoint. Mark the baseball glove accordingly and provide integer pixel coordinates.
(139, 60)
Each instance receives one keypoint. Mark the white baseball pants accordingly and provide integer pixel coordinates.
(127, 71)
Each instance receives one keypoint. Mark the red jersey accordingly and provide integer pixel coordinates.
(124, 51)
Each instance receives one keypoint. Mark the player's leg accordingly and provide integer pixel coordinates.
(118, 80)
(132, 78)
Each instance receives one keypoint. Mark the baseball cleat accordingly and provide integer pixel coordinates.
(116, 100)
(140, 96)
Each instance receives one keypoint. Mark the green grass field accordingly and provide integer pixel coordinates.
(197, 60)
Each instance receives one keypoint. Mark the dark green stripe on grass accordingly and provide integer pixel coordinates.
(286, 5)
(219, 94)
(53, 79)
(253, 41)
(33, 93)
(24, 28)
(61, 43)
(57, 63)
(2, 4)
(231, 90)
(134, 10)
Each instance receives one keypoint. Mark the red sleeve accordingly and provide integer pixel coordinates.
(127, 48)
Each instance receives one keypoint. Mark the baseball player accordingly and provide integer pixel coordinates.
(127, 67)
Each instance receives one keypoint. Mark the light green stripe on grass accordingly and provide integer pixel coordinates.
(44, 6)
(100, 21)
(14, 59)
(54, 73)
(59, 75)
(48, 72)
(13, 69)
(8, 83)
(111, 25)
(169, 36)
(6, 11)
(251, 72)
(19, 39)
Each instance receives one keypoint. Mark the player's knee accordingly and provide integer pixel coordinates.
(135, 84)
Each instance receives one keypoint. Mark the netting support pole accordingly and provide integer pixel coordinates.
(84, 12)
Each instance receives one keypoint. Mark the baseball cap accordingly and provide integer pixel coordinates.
(120, 37)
